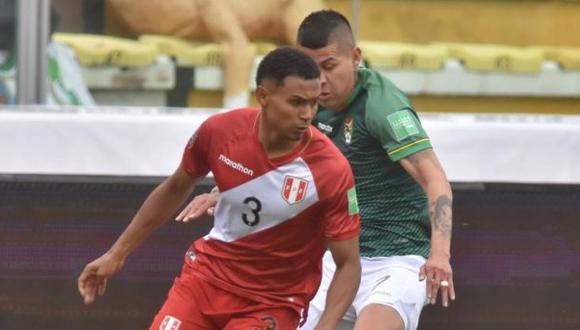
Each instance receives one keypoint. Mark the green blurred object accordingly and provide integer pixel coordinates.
(7, 73)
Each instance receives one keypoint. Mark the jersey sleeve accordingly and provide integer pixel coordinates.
(196, 153)
(399, 132)
(341, 213)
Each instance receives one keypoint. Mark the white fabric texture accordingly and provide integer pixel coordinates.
(390, 281)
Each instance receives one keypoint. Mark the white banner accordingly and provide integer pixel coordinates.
(149, 142)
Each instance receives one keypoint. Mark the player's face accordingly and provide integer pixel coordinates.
(290, 107)
(338, 65)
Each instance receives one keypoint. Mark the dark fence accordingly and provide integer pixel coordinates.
(516, 255)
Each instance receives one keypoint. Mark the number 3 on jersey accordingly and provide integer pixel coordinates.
(255, 206)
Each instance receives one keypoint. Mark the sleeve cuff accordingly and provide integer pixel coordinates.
(408, 149)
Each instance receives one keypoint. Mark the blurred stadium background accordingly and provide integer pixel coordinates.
(93, 116)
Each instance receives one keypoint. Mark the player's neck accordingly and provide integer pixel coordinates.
(351, 94)
(275, 144)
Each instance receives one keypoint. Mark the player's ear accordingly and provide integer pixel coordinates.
(262, 96)
(356, 58)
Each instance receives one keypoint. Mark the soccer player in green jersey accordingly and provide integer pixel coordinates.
(403, 194)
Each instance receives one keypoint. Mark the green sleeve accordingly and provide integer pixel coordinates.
(399, 132)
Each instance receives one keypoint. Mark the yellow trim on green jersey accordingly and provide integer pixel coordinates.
(401, 148)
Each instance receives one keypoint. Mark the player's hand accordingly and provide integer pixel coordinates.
(93, 279)
(437, 271)
(204, 203)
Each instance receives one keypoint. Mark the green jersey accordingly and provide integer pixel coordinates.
(378, 128)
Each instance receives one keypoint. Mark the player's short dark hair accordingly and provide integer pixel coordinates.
(316, 29)
(286, 62)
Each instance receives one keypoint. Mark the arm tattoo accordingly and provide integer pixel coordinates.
(440, 214)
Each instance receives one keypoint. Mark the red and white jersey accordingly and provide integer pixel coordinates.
(273, 215)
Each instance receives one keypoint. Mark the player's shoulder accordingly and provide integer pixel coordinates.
(241, 119)
(383, 96)
(225, 117)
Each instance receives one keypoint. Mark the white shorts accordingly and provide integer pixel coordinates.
(391, 281)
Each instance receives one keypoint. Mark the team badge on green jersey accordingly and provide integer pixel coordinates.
(403, 124)
(348, 129)
(352, 201)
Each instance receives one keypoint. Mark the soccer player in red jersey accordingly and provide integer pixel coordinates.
(287, 193)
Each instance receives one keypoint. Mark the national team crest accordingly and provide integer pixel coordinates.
(348, 129)
(294, 189)
(170, 323)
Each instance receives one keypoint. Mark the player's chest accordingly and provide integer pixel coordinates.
(245, 172)
(268, 200)
(348, 131)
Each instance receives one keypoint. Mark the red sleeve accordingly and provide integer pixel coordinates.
(196, 153)
(342, 220)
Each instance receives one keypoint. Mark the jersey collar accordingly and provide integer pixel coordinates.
(291, 155)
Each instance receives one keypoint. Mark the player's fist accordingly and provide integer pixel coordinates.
(93, 279)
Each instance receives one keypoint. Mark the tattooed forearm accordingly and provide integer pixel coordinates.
(440, 213)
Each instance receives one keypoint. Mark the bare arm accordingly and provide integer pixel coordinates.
(425, 168)
(344, 284)
(154, 212)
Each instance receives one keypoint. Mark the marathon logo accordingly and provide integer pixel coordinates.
(236, 166)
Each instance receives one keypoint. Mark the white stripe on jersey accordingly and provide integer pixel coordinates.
(261, 203)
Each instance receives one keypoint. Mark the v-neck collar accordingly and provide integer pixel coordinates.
(293, 154)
